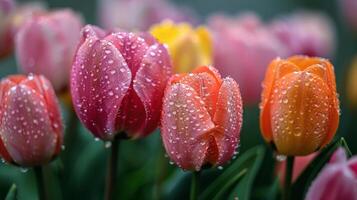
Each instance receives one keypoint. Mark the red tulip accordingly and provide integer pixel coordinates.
(337, 180)
(117, 82)
(201, 118)
(31, 131)
(46, 43)
(7, 7)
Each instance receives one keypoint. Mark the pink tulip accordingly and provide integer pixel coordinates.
(300, 164)
(243, 47)
(306, 33)
(201, 118)
(31, 131)
(117, 82)
(139, 14)
(348, 8)
(46, 43)
(7, 7)
(337, 180)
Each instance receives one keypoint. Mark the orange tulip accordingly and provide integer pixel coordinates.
(299, 108)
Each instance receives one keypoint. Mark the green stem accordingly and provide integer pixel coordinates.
(194, 185)
(40, 178)
(112, 170)
(288, 177)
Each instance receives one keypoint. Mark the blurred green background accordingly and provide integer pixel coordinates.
(144, 171)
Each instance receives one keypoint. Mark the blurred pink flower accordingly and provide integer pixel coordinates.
(337, 180)
(307, 33)
(7, 7)
(139, 14)
(55, 36)
(243, 48)
(349, 8)
(300, 164)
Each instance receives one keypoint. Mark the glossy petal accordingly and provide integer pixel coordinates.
(185, 122)
(100, 80)
(150, 83)
(26, 129)
(228, 120)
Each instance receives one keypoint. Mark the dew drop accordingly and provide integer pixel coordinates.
(24, 170)
(280, 158)
(107, 144)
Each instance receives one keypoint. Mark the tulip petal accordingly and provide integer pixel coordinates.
(185, 121)
(150, 83)
(206, 87)
(299, 106)
(228, 119)
(132, 47)
(26, 129)
(43, 87)
(276, 69)
(100, 80)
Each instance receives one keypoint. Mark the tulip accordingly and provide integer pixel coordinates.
(348, 8)
(134, 15)
(337, 180)
(300, 164)
(306, 33)
(299, 109)
(31, 130)
(118, 81)
(243, 47)
(352, 84)
(189, 48)
(201, 118)
(7, 7)
(55, 35)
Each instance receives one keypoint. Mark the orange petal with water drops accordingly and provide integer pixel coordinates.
(185, 121)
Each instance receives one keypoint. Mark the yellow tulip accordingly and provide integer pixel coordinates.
(188, 47)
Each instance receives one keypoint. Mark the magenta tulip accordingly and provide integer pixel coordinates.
(337, 180)
(139, 14)
(306, 33)
(348, 8)
(31, 130)
(46, 43)
(117, 82)
(243, 47)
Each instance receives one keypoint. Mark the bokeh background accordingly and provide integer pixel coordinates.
(145, 172)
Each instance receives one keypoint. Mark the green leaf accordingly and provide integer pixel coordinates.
(12, 194)
(303, 182)
(237, 179)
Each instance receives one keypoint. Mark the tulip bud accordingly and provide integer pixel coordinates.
(55, 35)
(189, 48)
(337, 180)
(243, 47)
(134, 15)
(201, 118)
(299, 109)
(31, 131)
(7, 7)
(307, 33)
(117, 82)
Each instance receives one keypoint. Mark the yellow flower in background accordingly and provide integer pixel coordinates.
(188, 47)
(352, 84)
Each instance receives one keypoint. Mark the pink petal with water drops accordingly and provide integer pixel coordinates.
(100, 80)
(185, 120)
(26, 127)
(90, 32)
(131, 46)
(44, 88)
(150, 83)
(228, 120)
